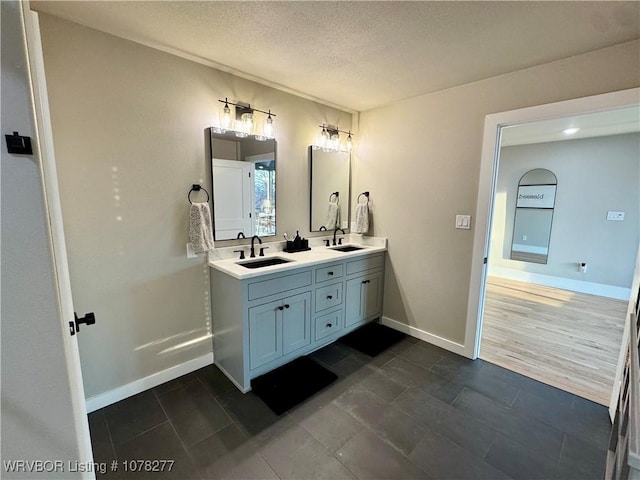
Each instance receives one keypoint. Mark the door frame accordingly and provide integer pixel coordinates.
(53, 208)
(487, 185)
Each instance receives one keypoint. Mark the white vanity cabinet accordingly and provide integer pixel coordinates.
(264, 321)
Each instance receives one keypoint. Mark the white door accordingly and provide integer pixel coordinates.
(43, 407)
(232, 198)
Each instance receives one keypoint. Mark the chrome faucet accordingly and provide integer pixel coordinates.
(334, 236)
(253, 250)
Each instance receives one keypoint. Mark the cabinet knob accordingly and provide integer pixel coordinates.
(366, 281)
(329, 325)
(330, 273)
(281, 308)
(286, 305)
(329, 297)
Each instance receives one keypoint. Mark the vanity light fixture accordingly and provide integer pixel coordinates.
(329, 139)
(245, 121)
(570, 131)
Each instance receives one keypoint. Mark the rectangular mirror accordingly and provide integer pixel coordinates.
(243, 172)
(330, 193)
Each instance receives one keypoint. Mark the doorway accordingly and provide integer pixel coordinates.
(496, 127)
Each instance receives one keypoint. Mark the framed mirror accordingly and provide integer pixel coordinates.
(535, 202)
(330, 189)
(243, 172)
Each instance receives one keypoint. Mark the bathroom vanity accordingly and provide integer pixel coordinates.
(265, 317)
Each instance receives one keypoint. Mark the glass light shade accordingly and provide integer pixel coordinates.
(247, 123)
(244, 126)
(335, 141)
(225, 121)
(349, 143)
(267, 129)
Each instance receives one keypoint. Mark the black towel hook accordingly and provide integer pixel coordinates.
(196, 188)
(336, 194)
(366, 194)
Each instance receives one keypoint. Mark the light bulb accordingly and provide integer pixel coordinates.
(349, 142)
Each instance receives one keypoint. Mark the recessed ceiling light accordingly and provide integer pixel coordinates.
(570, 131)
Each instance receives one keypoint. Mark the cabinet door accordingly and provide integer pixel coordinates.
(363, 298)
(296, 322)
(372, 295)
(265, 333)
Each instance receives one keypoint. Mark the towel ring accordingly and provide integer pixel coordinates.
(196, 188)
(334, 194)
(366, 194)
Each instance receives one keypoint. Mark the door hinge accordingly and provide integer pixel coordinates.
(88, 319)
(485, 260)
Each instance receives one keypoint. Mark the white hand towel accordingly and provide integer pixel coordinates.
(362, 218)
(333, 216)
(200, 231)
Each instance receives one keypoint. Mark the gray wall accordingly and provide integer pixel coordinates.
(418, 184)
(37, 415)
(129, 131)
(595, 175)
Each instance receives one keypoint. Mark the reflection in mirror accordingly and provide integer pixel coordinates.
(329, 189)
(534, 214)
(243, 174)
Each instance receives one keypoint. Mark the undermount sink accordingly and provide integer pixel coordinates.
(266, 262)
(347, 248)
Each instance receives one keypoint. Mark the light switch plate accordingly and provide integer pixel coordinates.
(190, 252)
(615, 216)
(463, 222)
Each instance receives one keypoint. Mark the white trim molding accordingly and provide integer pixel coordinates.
(120, 393)
(426, 336)
(600, 289)
(487, 183)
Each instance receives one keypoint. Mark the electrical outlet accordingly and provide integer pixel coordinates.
(615, 216)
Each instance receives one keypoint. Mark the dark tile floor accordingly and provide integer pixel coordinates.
(414, 411)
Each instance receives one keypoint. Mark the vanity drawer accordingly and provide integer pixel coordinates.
(367, 263)
(328, 324)
(329, 273)
(272, 286)
(329, 296)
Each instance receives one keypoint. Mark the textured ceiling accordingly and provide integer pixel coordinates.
(361, 55)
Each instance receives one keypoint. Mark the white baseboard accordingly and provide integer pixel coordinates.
(426, 336)
(120, 393)
(233, 380)
(600, 289)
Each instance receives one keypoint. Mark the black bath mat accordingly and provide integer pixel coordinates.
(372, 339)
(291, 384)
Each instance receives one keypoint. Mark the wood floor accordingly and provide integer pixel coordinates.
(566, 339)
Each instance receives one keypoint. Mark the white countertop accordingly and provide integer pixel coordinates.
(225, 260)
